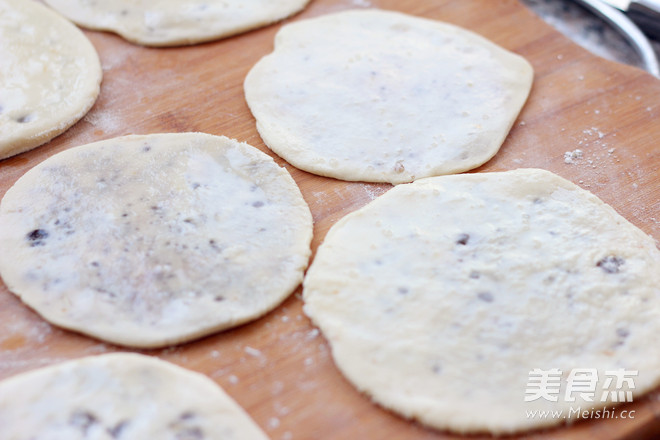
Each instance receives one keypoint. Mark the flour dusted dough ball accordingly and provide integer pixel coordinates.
(120, 396)
(385, 97)
(176, 22)
(49, 75)
(440, 297)
(153, 240)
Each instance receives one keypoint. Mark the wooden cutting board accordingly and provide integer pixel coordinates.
(279, 368)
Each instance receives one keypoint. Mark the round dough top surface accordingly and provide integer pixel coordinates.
(175, 22)
(49, 75)
(120, 396)
(153, 240)
(382, 96)
(440, 297)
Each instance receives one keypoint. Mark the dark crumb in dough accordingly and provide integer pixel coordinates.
(463, 239)
(83, 420)
(116, 431)
(187, 415)
(486, 297)
(258, 204)
(193, 433)
(611, 264)
(37, 237)
(622, 332)
(185, 428)
(214, 245)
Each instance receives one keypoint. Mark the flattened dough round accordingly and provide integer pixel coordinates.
(50, 75)
(154, 240)
(176, 22)
(439, 297)
(120, 396)
(385, 97)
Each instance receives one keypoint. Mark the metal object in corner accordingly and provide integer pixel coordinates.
(628, 30)
(644, 13)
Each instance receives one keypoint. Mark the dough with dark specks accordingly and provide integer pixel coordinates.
(120, 396)
(50, 75)
(176, 22)
(153, 240)
(439, 298)
(380, 96)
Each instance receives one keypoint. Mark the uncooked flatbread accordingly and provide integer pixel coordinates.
(50, 75)
(154, 240)
(120, 396)
(176, 22)
(385, 97)
(440, 297)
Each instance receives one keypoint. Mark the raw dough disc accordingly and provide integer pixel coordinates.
(154, 240)
(50, 75)
(176, 22)
(120, 396)
(441, 296)
(385, 97)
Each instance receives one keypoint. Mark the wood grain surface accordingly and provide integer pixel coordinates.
(279, 368)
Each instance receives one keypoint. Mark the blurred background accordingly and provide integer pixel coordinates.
(588, 30)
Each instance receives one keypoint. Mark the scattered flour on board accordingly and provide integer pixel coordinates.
(252, 351)
(105, 121)
(277, 387)
(321, 197)
(281, 410)
(17, 336)
(273, 422)
(372, 191)
(593, 130)
(25, 346)
(572, 156)
(313, 333)
(30, 331)
(592, 148)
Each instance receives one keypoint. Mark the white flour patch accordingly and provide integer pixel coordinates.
(572, 156)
